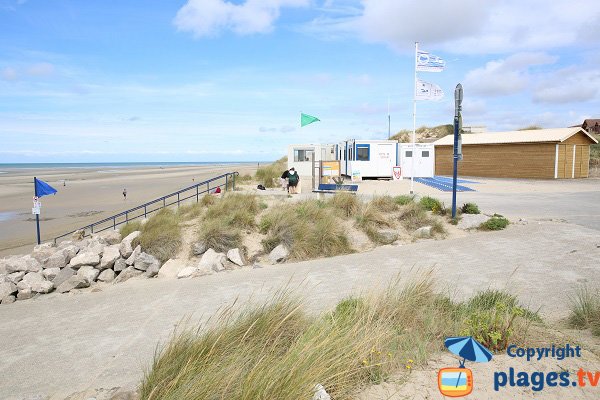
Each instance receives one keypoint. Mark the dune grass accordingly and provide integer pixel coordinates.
(384, 204)
(371, 220)
(130, 227)
(269, 174)
(309, 229)
(404, 199)
(218, 236)
(279, 351)
(347, 204)
(234, 210)
(585, 309)
(161, 235)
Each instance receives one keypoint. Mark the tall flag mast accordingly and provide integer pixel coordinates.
(424, 62)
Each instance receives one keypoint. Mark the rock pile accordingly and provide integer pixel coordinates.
(74, 264)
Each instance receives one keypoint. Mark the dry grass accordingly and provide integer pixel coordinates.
(235, 210)
(385, 204)
(269, 175)
(347, 204)
(413, 216)
(161, 235)
(278, 351)
(219, 236)
(371, 220)
(130, 227)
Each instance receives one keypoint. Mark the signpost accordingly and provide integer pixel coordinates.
(458, 97)
(40, 188)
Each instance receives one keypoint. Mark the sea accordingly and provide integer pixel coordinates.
(13, 166)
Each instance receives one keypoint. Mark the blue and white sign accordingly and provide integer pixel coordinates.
(429, 63)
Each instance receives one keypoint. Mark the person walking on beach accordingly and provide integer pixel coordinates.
(293, 179)
(124, 194)
(283, 180)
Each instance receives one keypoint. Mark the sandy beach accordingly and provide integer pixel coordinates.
(90, 194)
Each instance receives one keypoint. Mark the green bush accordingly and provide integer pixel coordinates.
(470, 208)
(404, 200)
(496, 223)
(430, 203)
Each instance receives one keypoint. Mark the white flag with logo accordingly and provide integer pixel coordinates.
(428, 91)
(429, 63)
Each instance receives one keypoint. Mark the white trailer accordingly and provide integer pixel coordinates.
(301, 156)
(424, 159)
(367, 158)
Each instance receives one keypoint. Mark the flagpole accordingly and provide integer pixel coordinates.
(37, 216)
(389, 120)
(412, 162)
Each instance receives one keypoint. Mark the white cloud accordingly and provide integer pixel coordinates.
(9, 74)
(210, 17)
(468, 26)
(568, 85)
(41, 69)
(506, 76)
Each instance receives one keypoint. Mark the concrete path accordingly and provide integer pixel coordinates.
(60, 344)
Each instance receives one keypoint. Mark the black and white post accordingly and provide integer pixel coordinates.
(458, 97)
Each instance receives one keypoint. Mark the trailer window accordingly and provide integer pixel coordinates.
(362, 153)
(425, 153)
(303, 155)
(408, 153)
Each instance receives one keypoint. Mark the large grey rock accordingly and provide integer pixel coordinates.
(126, 244)
(108, 237)
(63, 276)
(74, 282)
(136, 252)
(152, 270)
(171, 268)
(110, 255)
(8, 299)
(387, 236)
(24, 294)
(120, 265)
(69, 252)
(95, 246)
(16, 277)
(213, 260)
(471, 221)
(199, 248)
(236, 257)
(57, 260)
(42, 252)
(278, 254)
(108, 275)
(64, 244)
(186, 272)
(4, 278)
(3, 270)
(320, 393)
(33, 277)
(128, 273)
(88, 273)
(50, 273)
(23, 286)
(24, 263)
(144, 261)
(87, 258)
(423, 232)
(7, 288)
(42, 287)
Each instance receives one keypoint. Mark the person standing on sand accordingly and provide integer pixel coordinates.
(283, 180)
(124, 194)
(293, 179)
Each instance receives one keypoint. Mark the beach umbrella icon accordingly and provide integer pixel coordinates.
(469, 349)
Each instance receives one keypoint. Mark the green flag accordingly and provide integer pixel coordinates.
(306, 119)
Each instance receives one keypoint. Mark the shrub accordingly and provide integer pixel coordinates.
(385, 204)
(130, 227)
(404, 200)
(269, 175)
(496, 223)
(493, 317)
(470, 208)
(430, 203)
(585, 309)
(161, 235)
(218, 236)
(346, 203)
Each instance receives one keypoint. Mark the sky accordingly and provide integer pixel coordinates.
(216, 80)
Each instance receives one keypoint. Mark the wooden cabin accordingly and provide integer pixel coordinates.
(542, 154)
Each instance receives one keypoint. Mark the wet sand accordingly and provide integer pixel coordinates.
(90, 194)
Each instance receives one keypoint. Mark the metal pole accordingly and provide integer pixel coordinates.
(389, 121)
(37, 216)
(412, 159)
(455, 166)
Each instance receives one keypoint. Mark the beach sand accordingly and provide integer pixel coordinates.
(90, 194)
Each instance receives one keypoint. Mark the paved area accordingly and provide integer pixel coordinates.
(60, 344)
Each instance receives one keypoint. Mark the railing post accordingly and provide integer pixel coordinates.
(164, 203)
(208, 187)
(233, 182)
(145, 216)
(178, 200)
(126, 216)
(114, 223)
(197, 194)
(91, 229)
(226, 183)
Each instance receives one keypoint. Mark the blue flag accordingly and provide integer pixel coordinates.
(42, 188)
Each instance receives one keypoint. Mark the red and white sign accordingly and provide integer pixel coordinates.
(397, 173)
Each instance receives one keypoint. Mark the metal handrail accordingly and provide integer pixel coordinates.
(163, 202)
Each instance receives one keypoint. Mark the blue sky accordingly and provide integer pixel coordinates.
(215, 80)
